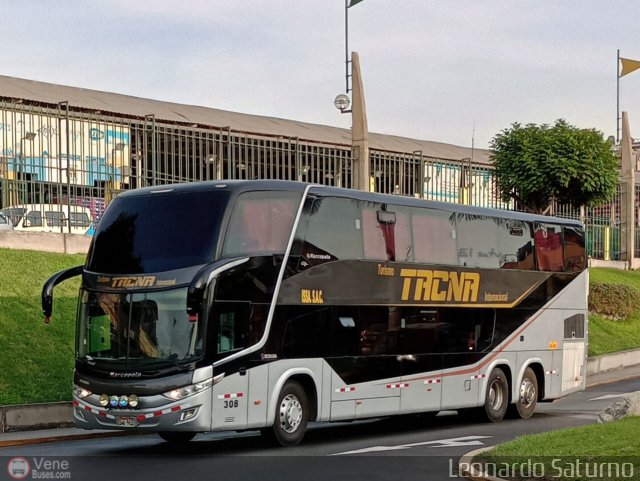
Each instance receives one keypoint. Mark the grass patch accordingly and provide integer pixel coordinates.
(614, 442)
(37, 359)
(607, 335)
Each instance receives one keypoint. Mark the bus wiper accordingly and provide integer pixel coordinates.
(47, 290)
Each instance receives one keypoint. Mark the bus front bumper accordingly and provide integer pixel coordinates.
(190, 414)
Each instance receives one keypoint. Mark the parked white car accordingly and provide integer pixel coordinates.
(49, 218)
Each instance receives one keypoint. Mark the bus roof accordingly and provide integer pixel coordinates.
(238, 186)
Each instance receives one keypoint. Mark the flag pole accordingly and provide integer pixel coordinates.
(618, 97)
(346, 44)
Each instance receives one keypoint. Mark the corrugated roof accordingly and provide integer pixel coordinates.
(118, 104)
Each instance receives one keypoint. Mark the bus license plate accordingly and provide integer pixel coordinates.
(127, 421)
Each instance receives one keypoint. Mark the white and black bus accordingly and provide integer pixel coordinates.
(235, 305)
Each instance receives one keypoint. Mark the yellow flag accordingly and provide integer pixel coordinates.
(628, 66)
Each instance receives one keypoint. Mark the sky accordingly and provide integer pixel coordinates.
(452, 71)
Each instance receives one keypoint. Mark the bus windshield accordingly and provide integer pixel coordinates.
(137, 330)
(158, 232)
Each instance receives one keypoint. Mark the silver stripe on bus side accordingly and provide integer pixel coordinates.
(276, 291)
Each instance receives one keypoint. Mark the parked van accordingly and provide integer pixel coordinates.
(49, 218)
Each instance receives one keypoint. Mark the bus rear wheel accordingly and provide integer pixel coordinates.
(496, 398)
(292, 414)
(176, 437)
(527, 395)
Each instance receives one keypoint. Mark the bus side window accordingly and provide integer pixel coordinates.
(433, 237)
(334, 231)
(385, 233)
(515, 245)
(574, 252)
(548, 243)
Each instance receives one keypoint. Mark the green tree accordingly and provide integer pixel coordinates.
(537, 164)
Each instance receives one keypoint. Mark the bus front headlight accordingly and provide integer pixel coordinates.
(183, 392)
(81, 392)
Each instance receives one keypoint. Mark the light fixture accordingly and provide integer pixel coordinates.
(342, 103)
(29, 136)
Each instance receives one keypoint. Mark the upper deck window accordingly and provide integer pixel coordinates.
(548, 239)
(158, 232)
(333, 231)
(261, 223)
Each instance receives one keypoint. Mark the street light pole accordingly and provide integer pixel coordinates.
(359, 130)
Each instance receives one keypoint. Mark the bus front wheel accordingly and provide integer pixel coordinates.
(496, 398)
(292, 414)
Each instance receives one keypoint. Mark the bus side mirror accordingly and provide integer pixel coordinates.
(47, 290)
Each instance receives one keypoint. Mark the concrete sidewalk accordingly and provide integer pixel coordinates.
(20, 438)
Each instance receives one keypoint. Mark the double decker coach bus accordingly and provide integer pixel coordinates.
(234, 305)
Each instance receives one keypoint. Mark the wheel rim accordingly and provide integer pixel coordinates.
(496, 395)
(527, 393)
(290, 413)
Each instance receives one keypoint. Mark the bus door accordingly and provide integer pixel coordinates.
(573, 353)
(231, 394)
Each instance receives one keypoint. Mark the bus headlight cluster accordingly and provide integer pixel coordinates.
(81, 392)
(186, 391)
(119, 401)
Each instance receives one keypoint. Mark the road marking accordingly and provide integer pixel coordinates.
(438, 443)
(608, 396)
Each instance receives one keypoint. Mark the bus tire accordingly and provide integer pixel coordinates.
(292, 414)
(177, 437)
(527, 395)
(496, 400)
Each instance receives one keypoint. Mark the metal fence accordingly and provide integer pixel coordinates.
(62, 156)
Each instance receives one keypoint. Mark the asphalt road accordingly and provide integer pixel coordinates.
(403, 448)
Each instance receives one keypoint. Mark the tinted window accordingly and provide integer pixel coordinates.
(385, 233)
(261, 223)
(158, 232)
(574, 253)
(434, 237)
(478, 241)
(321, 333)
(515, 245)
(334, 231)
(548, 241)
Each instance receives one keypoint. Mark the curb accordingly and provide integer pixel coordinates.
(67, 437)
(467, 470)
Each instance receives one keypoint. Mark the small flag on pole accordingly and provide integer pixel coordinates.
(354, 2)
(628, 65)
